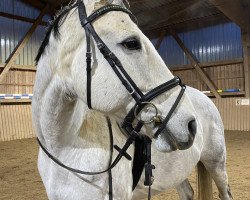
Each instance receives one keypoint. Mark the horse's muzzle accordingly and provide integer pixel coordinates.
(176, 143)
(192, 127)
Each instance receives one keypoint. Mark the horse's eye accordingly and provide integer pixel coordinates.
(131, 44)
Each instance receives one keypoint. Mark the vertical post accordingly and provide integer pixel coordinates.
(162, 35)
(10, 61)
(196, 65)
(246, 54)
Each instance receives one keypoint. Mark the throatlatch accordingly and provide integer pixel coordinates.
(131, 126)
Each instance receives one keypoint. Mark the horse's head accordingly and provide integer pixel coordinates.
(140, 60)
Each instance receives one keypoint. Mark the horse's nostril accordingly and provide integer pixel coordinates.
(192, 127)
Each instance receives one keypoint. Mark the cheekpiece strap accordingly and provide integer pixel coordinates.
(109, 56)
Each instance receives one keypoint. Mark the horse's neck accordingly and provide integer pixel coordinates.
(71, 123)
(94, 131)
(53, 112)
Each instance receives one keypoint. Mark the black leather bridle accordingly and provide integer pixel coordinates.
(141, 100)
(117, 67)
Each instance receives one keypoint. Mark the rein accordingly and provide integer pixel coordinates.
(142, 142)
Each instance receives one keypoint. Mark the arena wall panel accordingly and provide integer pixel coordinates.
(235, 117)
(15, 115)
(15, 122)
(229, 76)
(18, 82)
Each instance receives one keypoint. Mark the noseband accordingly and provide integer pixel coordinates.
(131, 128)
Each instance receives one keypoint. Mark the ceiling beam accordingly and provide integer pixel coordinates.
(148, 15)
(34, 3)
(21, 18)
(10, 61)
(53, 4)
(160, 39)
(196, 65)
(19, 67)
(192, 23)
(191, 6)
(206, 64)
(165, 6)
(236, 10)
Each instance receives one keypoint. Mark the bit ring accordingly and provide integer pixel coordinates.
(147, 105)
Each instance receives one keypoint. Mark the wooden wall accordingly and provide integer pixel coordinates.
(235, 117)
(18, 82)
(15, 115)
(227, 75)
(15, 122)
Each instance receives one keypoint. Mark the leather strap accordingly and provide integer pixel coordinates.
(129, 141)
(83, 15)
(111, 157)
(103, 10)
(109, 56)
(162, 88)
(166, 120)
(130, 117)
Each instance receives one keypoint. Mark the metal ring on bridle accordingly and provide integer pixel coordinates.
(147, 105)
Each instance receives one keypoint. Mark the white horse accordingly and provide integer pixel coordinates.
(79, 136)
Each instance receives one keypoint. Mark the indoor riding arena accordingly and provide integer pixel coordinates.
(204, 42)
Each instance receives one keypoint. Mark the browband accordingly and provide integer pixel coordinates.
(103, 10)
